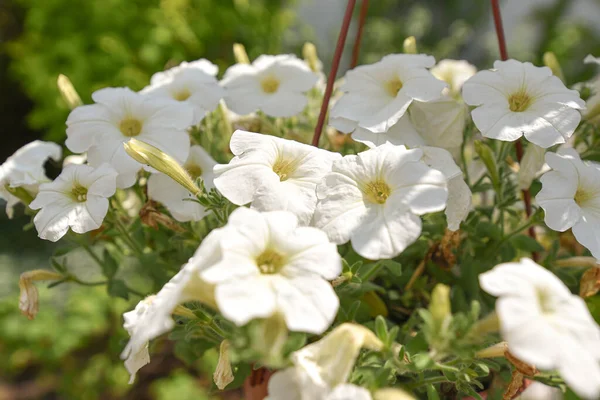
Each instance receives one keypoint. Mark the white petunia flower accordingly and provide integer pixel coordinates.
(276, 85)
(25, 169)
(376, 96)
(137, 360)
(173, 196)
(570, 197)
(120, 114)
(374, 199)
(455, 73)
(153, 318)
(517, 99)
(545, 325)
(273, 174)
(531, 166)
(270, 265)
(78, 199)
(321, 369)
(192, 83)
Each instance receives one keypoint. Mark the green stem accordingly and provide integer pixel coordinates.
(89, 250)
(127, 237)
(79, 281)
(372, 271)
(427, 381)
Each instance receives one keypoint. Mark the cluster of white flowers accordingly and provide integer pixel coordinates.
(277, 252)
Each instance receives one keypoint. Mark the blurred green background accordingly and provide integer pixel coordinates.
(71, 350)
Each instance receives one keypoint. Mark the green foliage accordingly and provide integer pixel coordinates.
(123, 42)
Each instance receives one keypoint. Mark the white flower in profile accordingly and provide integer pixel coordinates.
(531, 166)
(455, 73)
(460, 197)
(25, 169)
(376, 96)
(517, 99)
(173, 196)
(78, 199)
(545, 325)
(570, 197)
(321, 369)
(192, 83)
(152, 318)
(137, 360)
(374, 199)
(120, 114)
(271, 266)
(275, 85)
(273, 174)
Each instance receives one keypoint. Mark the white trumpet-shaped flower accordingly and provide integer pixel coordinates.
(273, 174)
(517, 99)
(177, 198)
(545, 325)
(275, 85)
(374, 199)
(25, 169)
(455, 73)
(192, 83)
(78, 199)
(121, 114)
(570, 197)
(320, 370)
(270, 265)
(376, 96)
(258, 265)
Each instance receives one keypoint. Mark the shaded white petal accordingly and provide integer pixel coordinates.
(308, 304)
(240, 301)
(458, 203)
(587, 232)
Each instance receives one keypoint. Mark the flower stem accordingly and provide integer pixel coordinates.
(359, 31)
(518, 144)
(332, 73)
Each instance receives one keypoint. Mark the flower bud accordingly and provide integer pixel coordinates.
(239, 53)
(486, 155)
(157, 159)
(68, 92)
(551, 62)
(334, 356)
(439, 307)
(28, 297)
(531, 164)
(410, 45)
(223, 375)
(269, 337)
(496, 350)
(309, 52)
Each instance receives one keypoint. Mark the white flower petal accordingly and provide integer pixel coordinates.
(243, 300)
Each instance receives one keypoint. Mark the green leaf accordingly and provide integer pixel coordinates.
(432, 393)
(393, 266)
(58, 266)
(381, 328)
(526, 243)
(109, 265)
(118, 288)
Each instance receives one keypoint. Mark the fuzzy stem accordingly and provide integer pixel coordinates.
(518, 144)
(359, 31)
(332, 73)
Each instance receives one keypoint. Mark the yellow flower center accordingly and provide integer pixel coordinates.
(182, 95)
(519, 101)
(393, 86)
(377, 192)
(194, 170)
(582, 196)
(79, 193)
(130, 127)
(270, 262)
(544, 301)
(284, 168)
(270, 84)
